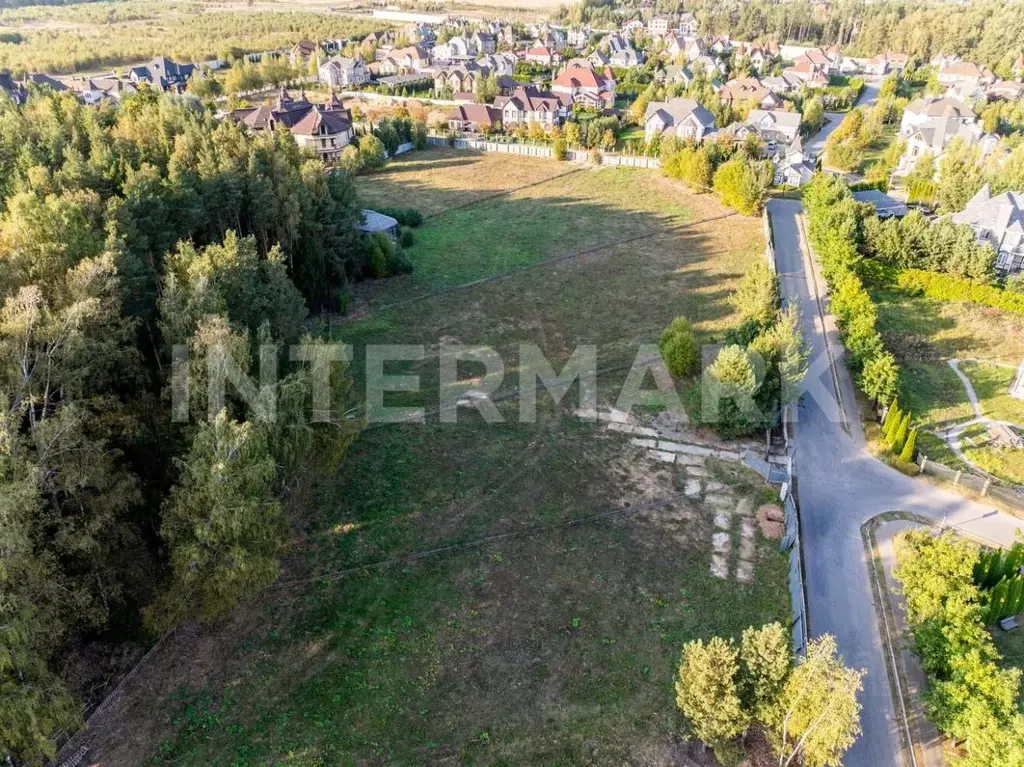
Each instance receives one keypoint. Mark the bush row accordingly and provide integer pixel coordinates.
(946, 287)
(836, 231)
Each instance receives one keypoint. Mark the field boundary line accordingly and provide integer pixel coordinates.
(529, 267)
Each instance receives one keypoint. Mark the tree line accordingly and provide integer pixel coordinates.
(969, 696)
(126, 234)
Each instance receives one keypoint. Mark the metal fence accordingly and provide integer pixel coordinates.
(790, 545)
(612, 159)
(766, 220)
(986, 487)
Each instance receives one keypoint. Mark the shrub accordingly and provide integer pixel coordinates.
(679, 348)
(405, 237)
(371, 153)
(743, 184)
(945, 287)
(910, 447)
(559, 149)
(1015, 284)
(404, 216)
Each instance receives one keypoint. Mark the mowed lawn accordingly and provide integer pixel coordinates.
(557, 570)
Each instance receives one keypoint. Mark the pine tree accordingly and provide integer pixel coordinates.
(706, 691)
(892, 421)
(900, 438)
(907, 455)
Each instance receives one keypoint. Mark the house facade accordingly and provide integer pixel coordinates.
(999, 222)
(682, 118)
(528, 105)
(324, 129)
(163, 74)
(585, 85)
(774, 125)
(474, 118)
(344, 72)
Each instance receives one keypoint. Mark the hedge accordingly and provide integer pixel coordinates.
(945, 287)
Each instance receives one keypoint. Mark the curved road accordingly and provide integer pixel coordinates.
(840, 487)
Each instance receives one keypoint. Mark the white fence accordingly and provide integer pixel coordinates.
(544, 150)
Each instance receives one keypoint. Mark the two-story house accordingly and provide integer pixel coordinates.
(682, 118)
(344, 72)
(998, 221)
(527, 105)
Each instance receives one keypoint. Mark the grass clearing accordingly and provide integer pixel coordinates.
(441, 179)
(555, 644)
(924, 334)
(992, 385)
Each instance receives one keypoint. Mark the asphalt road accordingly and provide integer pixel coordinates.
(815, 145)
(840, 486)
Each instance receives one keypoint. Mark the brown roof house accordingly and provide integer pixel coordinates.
(586, 86)
(528, 105)
(324, 129)
(749, 90)
(475, 118)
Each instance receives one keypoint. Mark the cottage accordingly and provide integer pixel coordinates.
(413, 58)
(541, 55)
(688, 25)
(998, 221)
(965, 73)
(163, 74)
(484, 43)
(344, 72)
(658, 26)
(774, 126)
(585, 85)
(683, 118)
(749, 90)
(528, 105)
(793, 167)
(324, 129)
(934, 136)
(922, 110)
(302, 52)
(475, 118)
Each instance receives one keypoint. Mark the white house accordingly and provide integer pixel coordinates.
(922, 110)
(775, 126)
(688, 25)
(344, 72)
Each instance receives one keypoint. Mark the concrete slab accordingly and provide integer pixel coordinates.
(651, 443)
(692, 489)
(660, 455)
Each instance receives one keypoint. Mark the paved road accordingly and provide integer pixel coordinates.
(815, 145)
(840, 487)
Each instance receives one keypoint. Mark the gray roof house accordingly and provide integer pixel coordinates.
(684, 118)
(884, 205)
(999, 221)
(374, 222)
(774, 125)
(163, 74)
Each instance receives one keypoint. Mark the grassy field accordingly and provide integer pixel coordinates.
(96, 36)
(553, 641)
(924, 334)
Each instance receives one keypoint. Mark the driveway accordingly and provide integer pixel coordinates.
(815, 145)
(840, 486)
